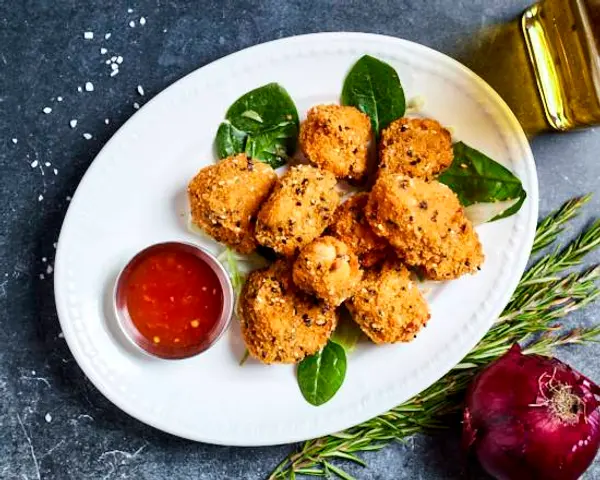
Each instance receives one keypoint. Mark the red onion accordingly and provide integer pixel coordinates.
(532, 417)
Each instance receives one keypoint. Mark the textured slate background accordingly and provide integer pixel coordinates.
(53, 422)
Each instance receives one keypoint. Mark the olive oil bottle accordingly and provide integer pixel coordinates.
(563, 41)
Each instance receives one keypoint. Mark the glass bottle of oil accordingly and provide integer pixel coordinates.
(563, 41)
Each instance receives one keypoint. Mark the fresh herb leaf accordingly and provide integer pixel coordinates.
(476, 178)
(321, 375)
(374, 88)
(347, 332)
(230, 140)
(263, 123)
(272, 146)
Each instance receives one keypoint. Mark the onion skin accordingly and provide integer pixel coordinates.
(511, 423)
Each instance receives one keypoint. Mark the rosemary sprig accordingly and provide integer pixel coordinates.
(546, 293)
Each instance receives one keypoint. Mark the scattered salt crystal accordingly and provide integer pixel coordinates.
(73, 123)
(136, 105)
(34, 164)
(49, 270)
(41, 276)
(68, 198)
(114, 72)
(140, 90)
(47, 110)
(44, 259)
(107, 61)
(107, 36)
(103, 51)
(113, 58)
(89, 87)
(142, 21)
(14, 140)
(40, 198)
(79, 89)
(33, 372)
(54, 245)
(88, 35)
(47, 164)
(48, 417)
(119, 59)
(61, 335)
(132, 24)
(114, 66)
(87, 136)
(130, 10)
(164, 30)
(55, 171)
(59, 99)
(107, 121)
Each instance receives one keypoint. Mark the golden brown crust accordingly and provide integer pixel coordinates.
(426, 225)
(416, 147)
(328, 269)
(225, 199)
(351, 227)
(280, 323)
(387, 305)
(298, 210)
(336, 138)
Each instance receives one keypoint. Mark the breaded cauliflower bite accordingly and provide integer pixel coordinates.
(299, 209)
(336, 138)
(387, 305)
(426, 224)
(416, 147)
(328, 269)
(225, 199)
(351, 227)
(280, 323)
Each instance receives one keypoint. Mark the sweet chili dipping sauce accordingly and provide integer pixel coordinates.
(174, 300)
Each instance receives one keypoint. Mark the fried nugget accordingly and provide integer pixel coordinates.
(298, 210)
(336, 138)
(328, 269)
(426, 224)
(279, 322)
(387, 305)
(416, 147)
(351, 227)
(225, 199)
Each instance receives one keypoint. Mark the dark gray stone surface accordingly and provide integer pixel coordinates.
(53, 423)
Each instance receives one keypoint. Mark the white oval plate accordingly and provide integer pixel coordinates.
(134, 195)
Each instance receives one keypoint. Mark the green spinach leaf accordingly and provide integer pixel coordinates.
(374, 88)
(272, 146)
(321, 375)
(230, 140)
(476, 178)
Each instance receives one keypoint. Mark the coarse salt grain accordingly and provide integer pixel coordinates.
(114, 72)
(130, 10)
(107, 61)
(68, 198)
(55, 171)
(59, 99)
(103, 51)
(49, 270)
(87, 136)
(140, 90)
(142, 21)
(113, 58)
(79, 89)
(61, 335)
(107, 121)
(88, 35)
(89, 87)
(41, 276)
(40, 198)
(34, 164)
(119, 59)
(54, 245)
(47, 164)
(14, 140)
(47, 110)
(48, 417)
(136, 105)
(107, 36)
(44, 259)
(114, 66)
(73, 123)
(132, 24)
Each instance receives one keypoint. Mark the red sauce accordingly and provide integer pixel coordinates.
(174, 299)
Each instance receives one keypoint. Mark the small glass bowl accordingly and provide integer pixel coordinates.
(161, 351)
